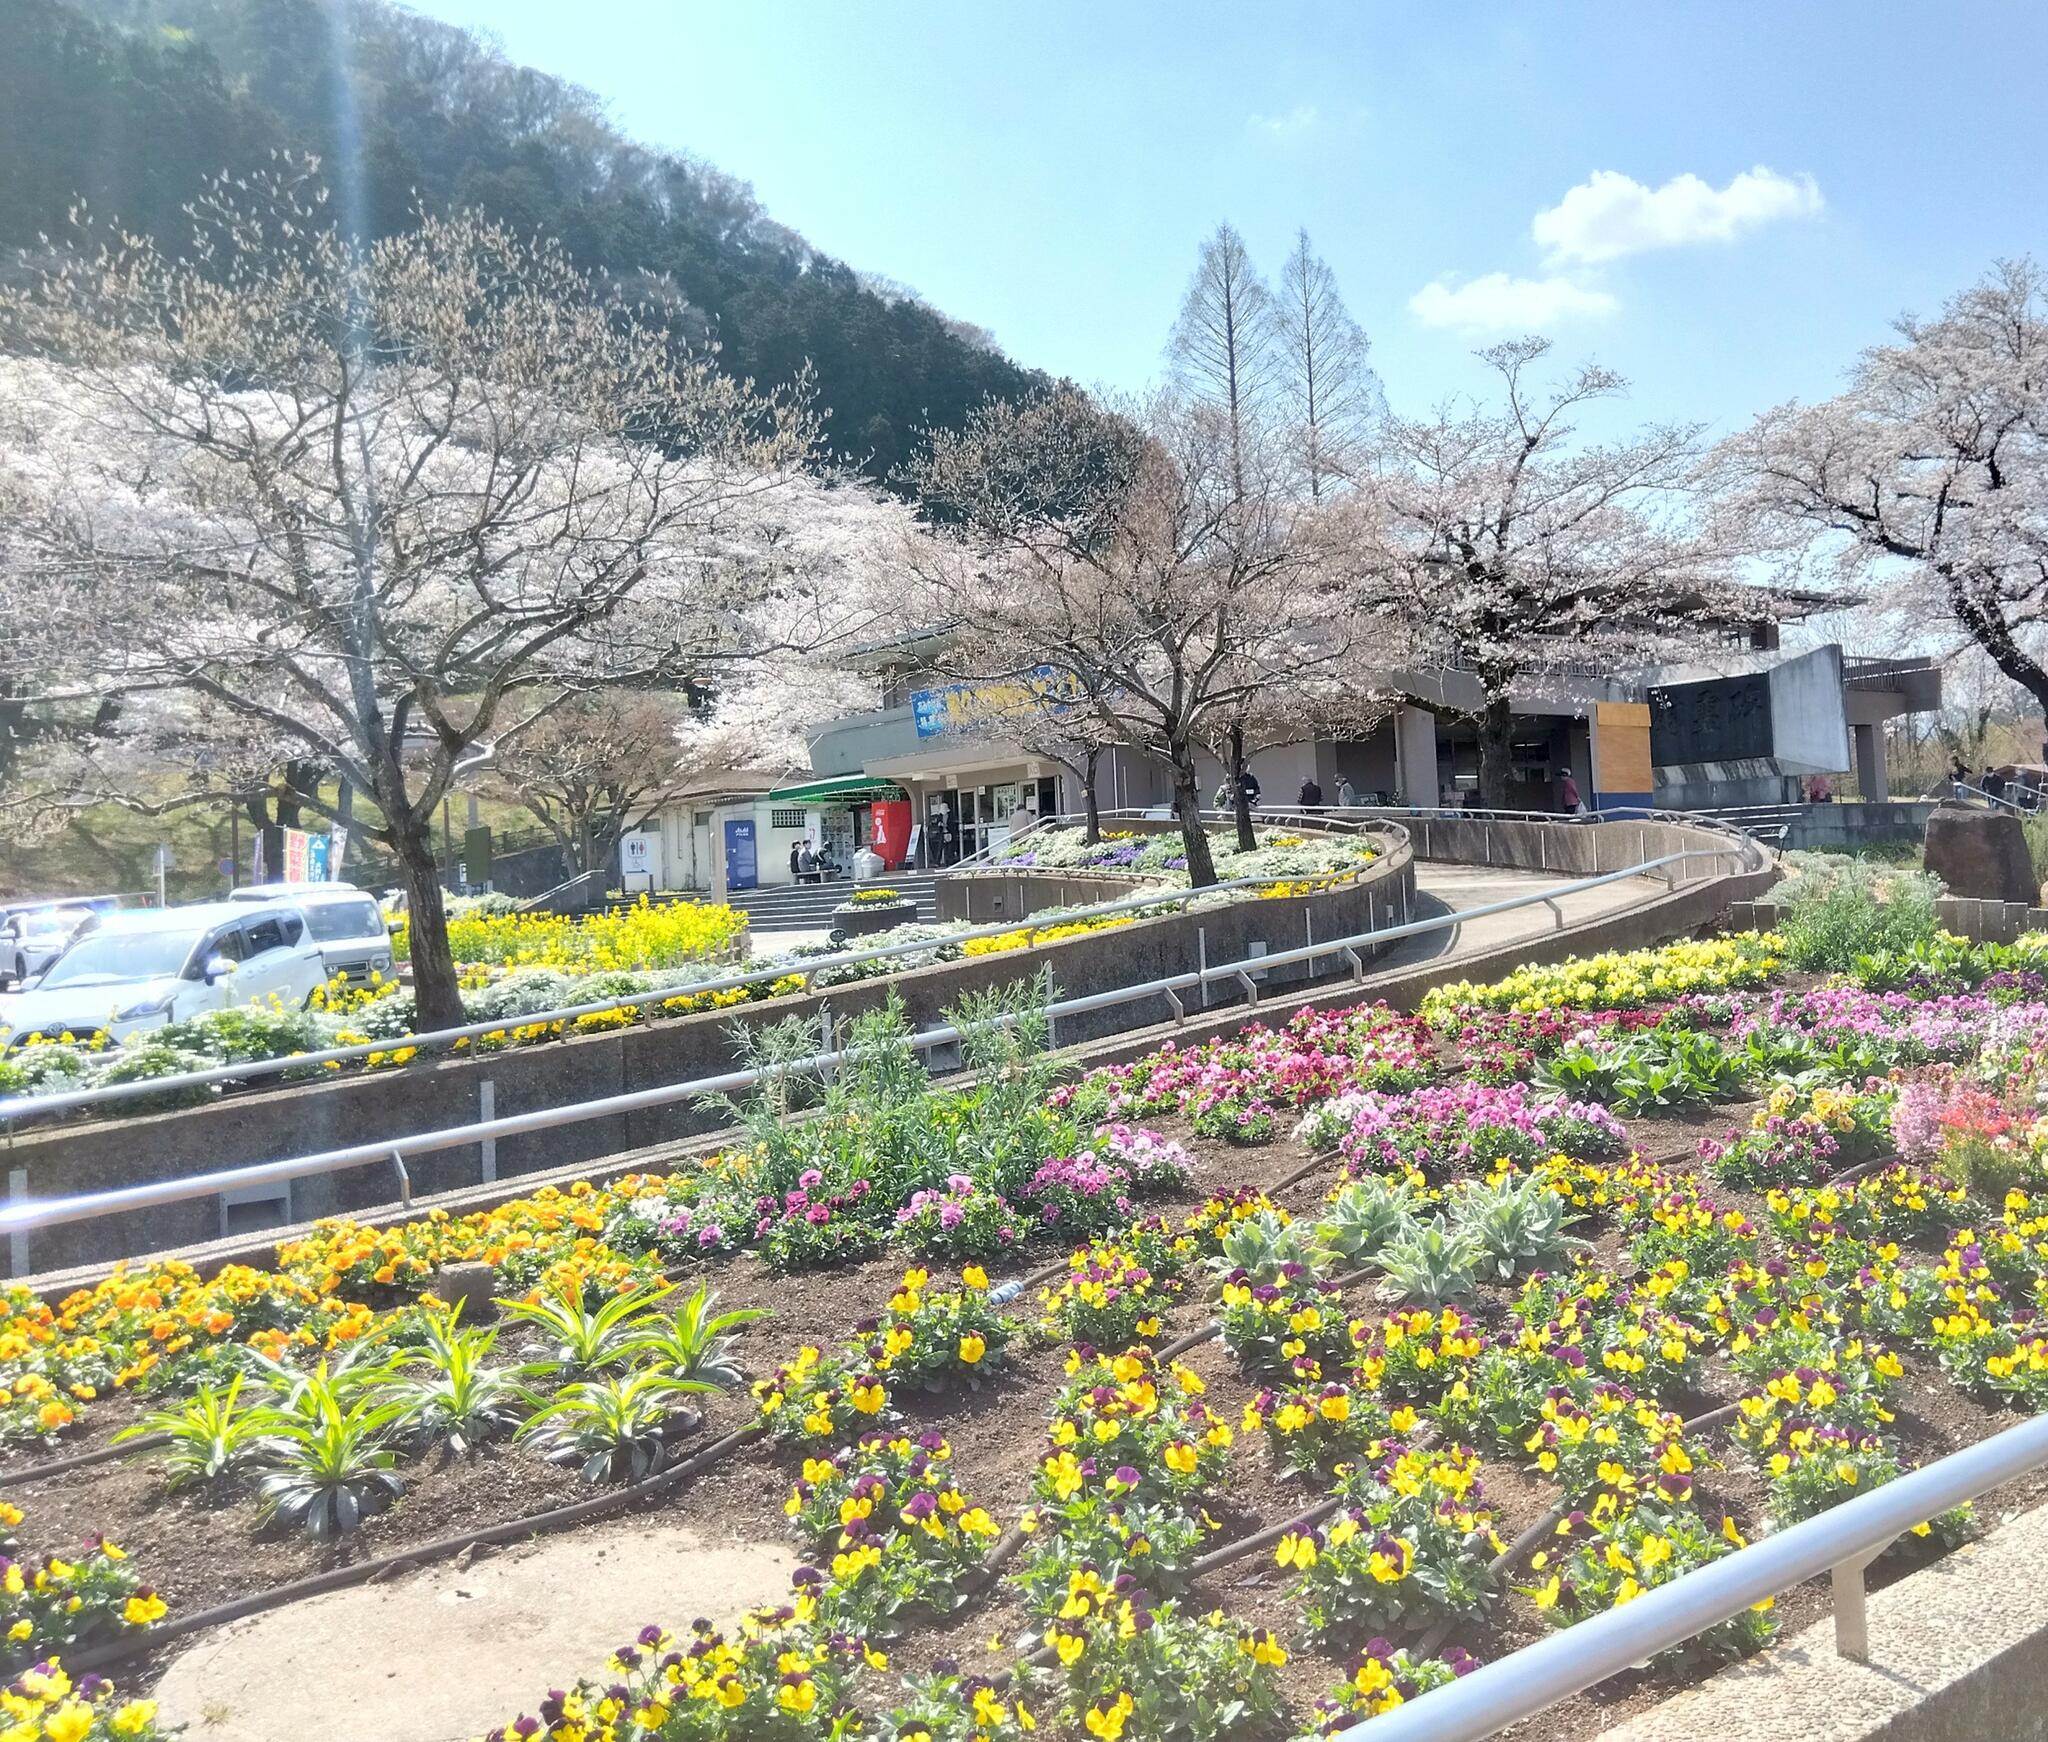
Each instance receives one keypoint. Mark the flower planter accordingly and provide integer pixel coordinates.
(859, 919)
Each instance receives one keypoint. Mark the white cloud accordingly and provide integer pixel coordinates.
(1497, 303)
(1610, 214)
(1296, 121)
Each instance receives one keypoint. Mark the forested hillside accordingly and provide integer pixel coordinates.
(133, 104)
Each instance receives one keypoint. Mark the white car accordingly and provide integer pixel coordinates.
(135, 971)
(32, 938)
(346, 922)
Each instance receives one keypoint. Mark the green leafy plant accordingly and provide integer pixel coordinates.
(585, 1339)
(1614, 1555)
(327, 1464)
(698, 1342)
(211, 1441)
(1430, 1263)
(1518, 1225)
(1363, 1216)
(459, 1398)
(612, 1428)
(1666, 1068)
(1842, 909)
(1410, 1546)
(1138, 1672)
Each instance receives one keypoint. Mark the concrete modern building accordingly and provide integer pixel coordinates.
(1750, 728)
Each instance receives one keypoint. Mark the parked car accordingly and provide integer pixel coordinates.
(346, 922)
(31, 938)
(134, 971)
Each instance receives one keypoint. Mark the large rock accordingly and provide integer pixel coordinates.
(1981, 855)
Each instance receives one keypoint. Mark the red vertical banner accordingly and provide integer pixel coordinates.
(891, 827)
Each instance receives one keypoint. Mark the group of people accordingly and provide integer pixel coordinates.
(808, 864)
(2022, 789)
(1310, 798)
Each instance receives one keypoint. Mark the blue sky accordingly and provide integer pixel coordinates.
(1049, 170)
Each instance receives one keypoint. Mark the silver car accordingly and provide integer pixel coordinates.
(32, 938)
(344, 921)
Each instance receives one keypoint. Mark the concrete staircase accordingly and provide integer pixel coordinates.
(808, 906)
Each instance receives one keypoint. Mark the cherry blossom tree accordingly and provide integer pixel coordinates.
(1124, 562)
(1491, 540)
(605, 761)
(1928, 476)
(375, 506)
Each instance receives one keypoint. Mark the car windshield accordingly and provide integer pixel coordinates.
(101, 958)
(330, 921)
(60, 923)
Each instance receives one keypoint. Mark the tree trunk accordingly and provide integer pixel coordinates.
(1091, 806)
(1187, 808)
(1240, 800)
(437, 1000)
(1496, 752)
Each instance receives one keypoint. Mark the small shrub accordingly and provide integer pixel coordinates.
(1846, 909)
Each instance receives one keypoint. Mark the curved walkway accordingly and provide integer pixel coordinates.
(1459, 888)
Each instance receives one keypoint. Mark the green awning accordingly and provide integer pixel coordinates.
(842, 789)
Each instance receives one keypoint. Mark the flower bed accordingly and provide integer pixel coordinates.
(1280, 854)
(643, 935)
(1491, 1299)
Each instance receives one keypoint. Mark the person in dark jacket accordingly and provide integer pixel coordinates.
(1311, 795)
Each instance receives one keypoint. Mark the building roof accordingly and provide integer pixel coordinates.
(840, 789)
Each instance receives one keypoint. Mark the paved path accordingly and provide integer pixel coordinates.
(1458, 888)
(446, 1653)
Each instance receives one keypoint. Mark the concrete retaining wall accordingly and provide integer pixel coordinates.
(984, 897)
(308, 1119)
(1823, 828)
(1570, 850)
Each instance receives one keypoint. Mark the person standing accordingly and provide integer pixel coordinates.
(796, 853)
(1568, 795)
(1347, 794)
(1250, 783)
(1311, 796)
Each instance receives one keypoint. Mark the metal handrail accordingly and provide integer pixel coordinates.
(23, 1216)
(1325, 814)
(1994, 799)
(24, 1106)
(1841, 1541)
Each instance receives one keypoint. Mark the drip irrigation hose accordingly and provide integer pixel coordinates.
(81, 1460)
(1231, 1551)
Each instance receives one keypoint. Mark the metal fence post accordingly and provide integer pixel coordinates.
(17, 1242)
(1852, 1616)
(486, 1111)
